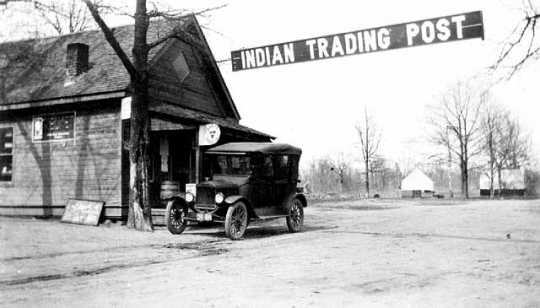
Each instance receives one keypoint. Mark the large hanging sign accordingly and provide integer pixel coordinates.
(209, 134)
(417, 33)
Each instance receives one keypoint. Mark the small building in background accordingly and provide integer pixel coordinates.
(512, 183)
(417, 185)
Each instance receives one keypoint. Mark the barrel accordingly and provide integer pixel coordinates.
(169, 189)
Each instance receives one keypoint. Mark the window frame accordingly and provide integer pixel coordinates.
(10, 154)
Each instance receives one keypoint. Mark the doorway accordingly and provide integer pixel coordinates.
(173, 158)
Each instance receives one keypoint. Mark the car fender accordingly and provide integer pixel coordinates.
(177, 196)
(230, 200)
(300, 196)
(180, 198)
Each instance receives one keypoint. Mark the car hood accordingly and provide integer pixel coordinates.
(224, 182)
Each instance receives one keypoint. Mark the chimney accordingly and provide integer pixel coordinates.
(76, 59)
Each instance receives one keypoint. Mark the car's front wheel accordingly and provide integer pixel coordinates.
(176, 213)
(236, 220)
(295, 217)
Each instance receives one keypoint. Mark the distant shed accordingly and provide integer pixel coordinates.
(512, 183)
(416, 185)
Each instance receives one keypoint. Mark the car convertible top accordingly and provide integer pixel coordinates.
(252, 147)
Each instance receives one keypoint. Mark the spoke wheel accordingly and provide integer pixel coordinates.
(236, 221)
(295, 218)
(175, 216)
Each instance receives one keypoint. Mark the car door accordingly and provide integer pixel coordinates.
(262, 188)
(281, 180)
(284, 185)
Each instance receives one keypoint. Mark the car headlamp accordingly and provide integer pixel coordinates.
(219, 198)
(189, 197)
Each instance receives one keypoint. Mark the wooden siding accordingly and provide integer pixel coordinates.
(196, 91)
(46, 174)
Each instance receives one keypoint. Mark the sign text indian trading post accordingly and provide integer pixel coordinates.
(422, 32)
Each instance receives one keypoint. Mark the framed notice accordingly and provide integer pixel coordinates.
(53, 127)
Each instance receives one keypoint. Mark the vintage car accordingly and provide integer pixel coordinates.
(249, 182)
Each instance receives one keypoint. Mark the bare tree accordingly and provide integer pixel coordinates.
(54, 17)
(456, 122)
(340, 167)
(64, 16)
(513, 147)
(521, 46)
(370, 137)
(492, 122)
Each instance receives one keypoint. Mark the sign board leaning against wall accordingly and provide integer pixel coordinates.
(423, 32)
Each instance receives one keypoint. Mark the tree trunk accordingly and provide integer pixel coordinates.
(499, 177)
(491, 165)
(140, 207)
(466, 180)
(366, 161)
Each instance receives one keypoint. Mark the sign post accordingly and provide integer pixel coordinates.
(417, 33)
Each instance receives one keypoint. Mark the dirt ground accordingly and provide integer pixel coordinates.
(357, 253)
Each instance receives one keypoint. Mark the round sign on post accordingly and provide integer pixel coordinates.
(209, 134)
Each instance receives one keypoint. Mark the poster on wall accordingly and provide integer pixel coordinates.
(53, 127)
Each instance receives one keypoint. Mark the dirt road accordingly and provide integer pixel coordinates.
(376, 253)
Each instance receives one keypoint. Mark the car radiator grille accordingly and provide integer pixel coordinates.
(205, 198)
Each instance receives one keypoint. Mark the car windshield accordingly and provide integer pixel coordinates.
(231, 165)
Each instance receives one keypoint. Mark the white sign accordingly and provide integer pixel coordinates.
(38, 128)
(209, 134)
(125, 109)
(191, 188)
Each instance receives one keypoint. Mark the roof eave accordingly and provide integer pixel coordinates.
(63, 100)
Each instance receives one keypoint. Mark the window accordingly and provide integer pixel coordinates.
(282, 166)
(267, 168)
(181, 67)
(6, 153)
(232, 165)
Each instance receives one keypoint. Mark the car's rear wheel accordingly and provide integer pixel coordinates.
(236, 220)
(295, 217)
(176, 213)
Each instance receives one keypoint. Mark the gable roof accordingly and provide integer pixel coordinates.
(417, 180)
(42, 76)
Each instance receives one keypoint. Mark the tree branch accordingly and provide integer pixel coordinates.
(112, 40)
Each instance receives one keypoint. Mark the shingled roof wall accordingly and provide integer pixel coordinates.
(38, 71)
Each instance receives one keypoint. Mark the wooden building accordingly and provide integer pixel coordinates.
(64, 118)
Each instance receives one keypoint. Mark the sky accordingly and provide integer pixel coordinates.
(316, 105)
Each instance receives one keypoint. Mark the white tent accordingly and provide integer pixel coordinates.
(417, 180)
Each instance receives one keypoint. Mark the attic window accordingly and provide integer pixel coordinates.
(181, 67)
